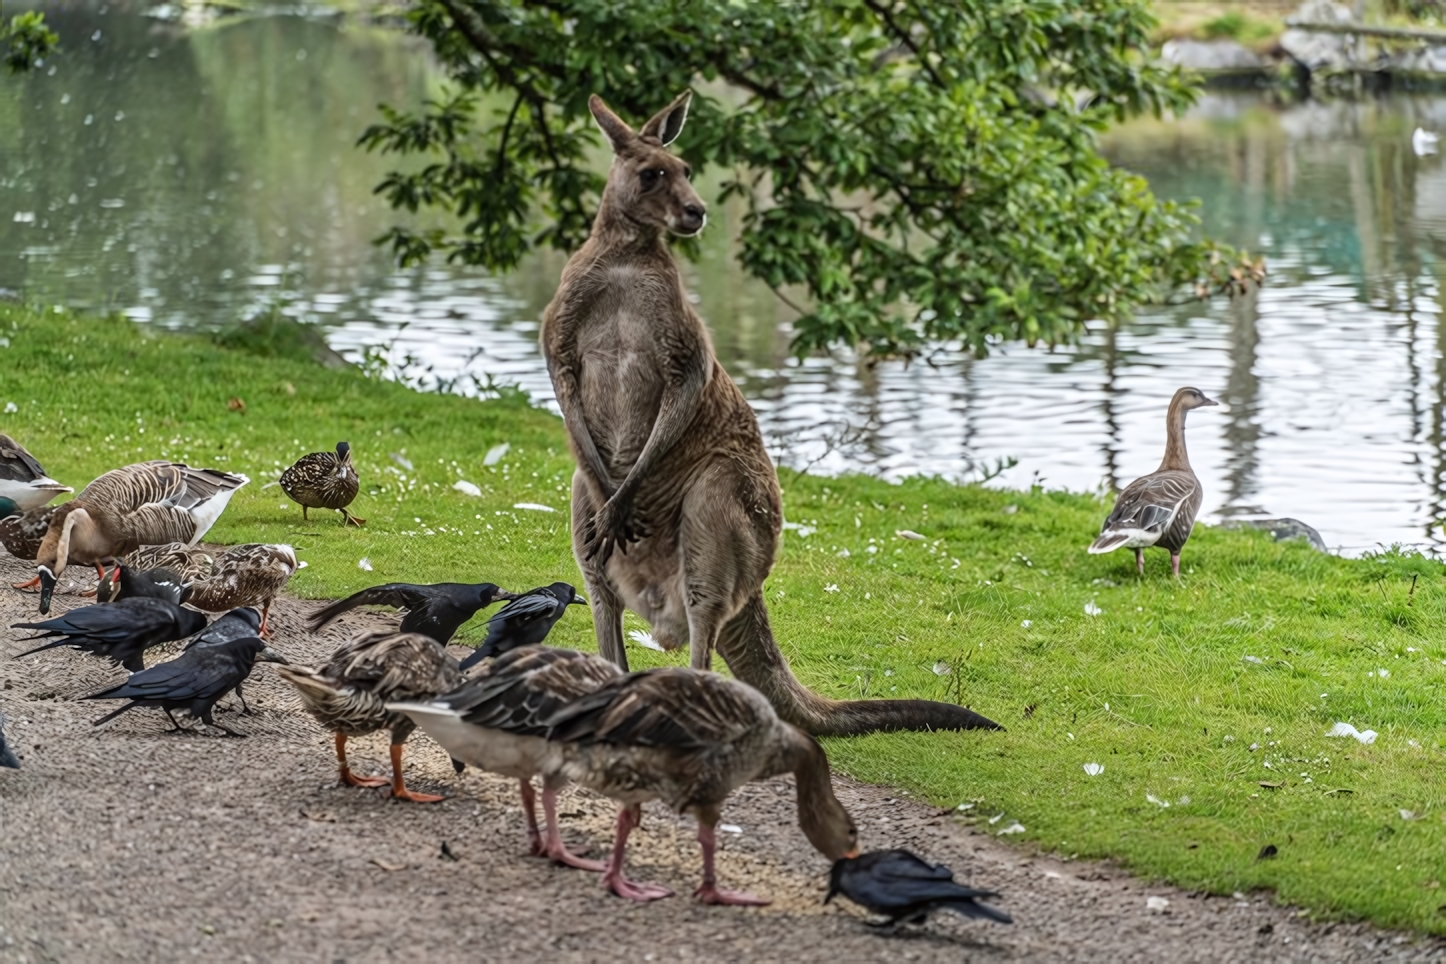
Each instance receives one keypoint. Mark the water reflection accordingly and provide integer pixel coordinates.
(186, 177)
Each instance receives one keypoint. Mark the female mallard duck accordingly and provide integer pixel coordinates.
(349, 695)
(22, 480)
(149, 503)
(244, 575)
(496, 722)
(21, 532)
(1159, 509)
(324, 480)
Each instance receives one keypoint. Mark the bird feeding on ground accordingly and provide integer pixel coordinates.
(120, 631)
(349, 695)
(525, 621)
(324, 480)
(436, 610)
(903, 887)
(1159, 509)
(495, 722)
(194, 681)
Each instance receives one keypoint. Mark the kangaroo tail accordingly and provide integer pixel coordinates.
(747, 645)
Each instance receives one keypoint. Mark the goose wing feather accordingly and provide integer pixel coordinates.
(1150, 503)
(16, 464)
(671, 707)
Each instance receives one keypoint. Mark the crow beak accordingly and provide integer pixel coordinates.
(503, 594)
(578, 600)
(270, 655)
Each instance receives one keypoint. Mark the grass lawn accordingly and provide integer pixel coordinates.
(1205, 700)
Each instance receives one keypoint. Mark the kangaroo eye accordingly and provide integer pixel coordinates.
(650, 177)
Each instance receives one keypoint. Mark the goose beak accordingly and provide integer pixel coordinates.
(1209, 401)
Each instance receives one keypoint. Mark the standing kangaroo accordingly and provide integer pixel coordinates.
(676, 508)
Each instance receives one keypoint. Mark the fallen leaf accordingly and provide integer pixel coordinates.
(235, 404)
(1270, 784)
(388, 865)
(446, 853)
(1339, 790)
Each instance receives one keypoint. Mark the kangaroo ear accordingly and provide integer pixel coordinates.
(619, 134)
(667, 123)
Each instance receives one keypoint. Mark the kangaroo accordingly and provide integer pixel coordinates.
(676, 508)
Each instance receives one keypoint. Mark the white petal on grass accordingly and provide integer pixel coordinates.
(1410, 815)
(302, 564)
(831, 587)
(364, 564)
(466, 488)
(1026, 624)
(1091, 609)
(909, 534)
(1157, 903)
(996, 818)
(1345, 729)
(942, 668)
(402, 460)
(1094, 769)
(1156, 800)
(1254, 659)
(730, 828)
(11, 408)
(1015, 827)
(533, 507)
(645, 639)
(495, 454)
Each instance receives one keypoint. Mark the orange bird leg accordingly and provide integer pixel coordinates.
(261, 630)
(100, 572)
(399, 789)
(613, 879)
(556, 849)
(535, 846)
(348, 778)
(709, 893)
(27, 585)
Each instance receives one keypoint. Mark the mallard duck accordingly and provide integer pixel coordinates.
(689, 738)
(22, 480)
(194, 681)
(437, 610)
(903, 887)
(349, 695)
(495, 723)
(245, 575)
(120, 631)
(525, 621)
(324, 480)
(191, 563)
(149, 503)
(22, 532)
(1159, 509)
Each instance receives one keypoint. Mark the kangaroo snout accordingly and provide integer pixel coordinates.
(692, 221)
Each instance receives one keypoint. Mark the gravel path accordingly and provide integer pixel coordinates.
(128, 843)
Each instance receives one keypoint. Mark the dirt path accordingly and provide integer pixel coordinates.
(127, 843)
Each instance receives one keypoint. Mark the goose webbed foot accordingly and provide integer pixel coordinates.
(555, 849)
(399, 787)
(613, 879)
(29, 584)
(708, 892)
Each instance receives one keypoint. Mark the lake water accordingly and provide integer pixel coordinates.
(188, 176)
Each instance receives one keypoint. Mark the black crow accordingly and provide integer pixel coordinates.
(526, 620)
(120, 631)
(7, 755)
(436, 611)
(901, 886)
(193, 681)
(237, 624)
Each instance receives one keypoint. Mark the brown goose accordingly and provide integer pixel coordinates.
(149, 503)
(689, 738)
(1159, 509)
(22, 480)
(238, 576)
(324, 480)
(349, 695)
(495, 723)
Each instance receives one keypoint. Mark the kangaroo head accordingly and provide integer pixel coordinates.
(647, 183)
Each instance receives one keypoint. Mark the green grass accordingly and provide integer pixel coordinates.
(1169, 686)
